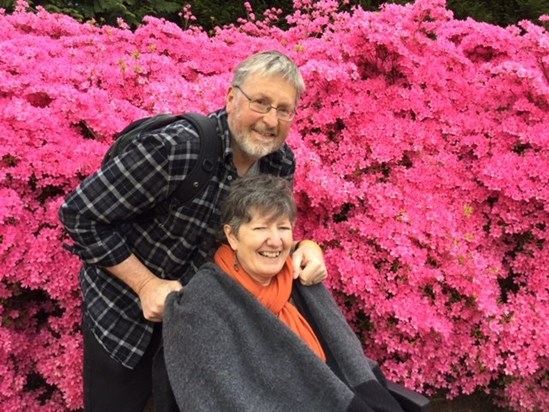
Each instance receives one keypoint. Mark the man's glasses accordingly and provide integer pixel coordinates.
(259, 106)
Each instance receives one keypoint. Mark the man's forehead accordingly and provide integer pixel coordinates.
(270, 85)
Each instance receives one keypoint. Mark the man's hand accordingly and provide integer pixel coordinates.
(309, 264)
(152, 295)
(151, 289)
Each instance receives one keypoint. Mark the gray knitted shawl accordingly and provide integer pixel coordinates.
(225, 351)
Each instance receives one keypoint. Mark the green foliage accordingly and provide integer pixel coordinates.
(7, 4)
(375, 4)
(211, 13)
(108, 11)
(500, 12)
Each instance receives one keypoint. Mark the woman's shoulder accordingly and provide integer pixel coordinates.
(209, 275)
(206, 274)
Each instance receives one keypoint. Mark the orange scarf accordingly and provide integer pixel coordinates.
(274, 297)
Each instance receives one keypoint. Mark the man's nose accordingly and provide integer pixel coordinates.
(271, 118)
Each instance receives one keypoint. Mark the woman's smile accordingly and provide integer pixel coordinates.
(262, 245)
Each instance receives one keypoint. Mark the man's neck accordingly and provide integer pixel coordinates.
(242, 162)
(242, 168)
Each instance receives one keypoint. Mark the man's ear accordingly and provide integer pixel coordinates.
(230, 99)
(231, 236)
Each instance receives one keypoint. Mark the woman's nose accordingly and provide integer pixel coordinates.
(275, 238)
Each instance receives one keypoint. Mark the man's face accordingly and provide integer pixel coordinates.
(255, 134)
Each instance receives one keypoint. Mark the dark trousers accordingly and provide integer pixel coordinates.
(111, 387)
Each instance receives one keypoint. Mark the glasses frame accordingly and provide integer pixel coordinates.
(266, 107)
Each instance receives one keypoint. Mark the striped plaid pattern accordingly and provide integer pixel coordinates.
(101, 216)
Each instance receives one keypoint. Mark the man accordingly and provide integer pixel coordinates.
(131, 264)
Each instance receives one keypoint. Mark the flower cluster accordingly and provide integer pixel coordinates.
(422, 149)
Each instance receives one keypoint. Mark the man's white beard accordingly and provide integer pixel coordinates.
(253, 150)
(245, 141)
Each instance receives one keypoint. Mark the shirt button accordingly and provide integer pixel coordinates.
(229, 178)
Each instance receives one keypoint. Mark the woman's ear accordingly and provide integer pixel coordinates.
(231, 236)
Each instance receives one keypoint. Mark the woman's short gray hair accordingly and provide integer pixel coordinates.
(270, 63)
(268, 195)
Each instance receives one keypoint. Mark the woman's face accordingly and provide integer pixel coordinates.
(262, 245)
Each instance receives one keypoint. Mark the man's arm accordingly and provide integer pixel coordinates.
(95, 212)
(309, 264)
(151, 289)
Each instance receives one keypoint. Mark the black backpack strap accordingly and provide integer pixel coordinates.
(137, 128)
(208, 158)
(202, 171)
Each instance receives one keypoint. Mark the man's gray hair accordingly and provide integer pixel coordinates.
(268, 195)
(270, 63)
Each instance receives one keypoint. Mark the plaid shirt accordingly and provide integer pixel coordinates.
(101, 216)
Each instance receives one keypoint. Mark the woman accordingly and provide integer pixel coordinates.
(234, 338)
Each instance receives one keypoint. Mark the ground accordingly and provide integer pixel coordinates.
(478, 402)
(474, 403)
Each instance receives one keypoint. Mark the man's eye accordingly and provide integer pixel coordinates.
(261, 103)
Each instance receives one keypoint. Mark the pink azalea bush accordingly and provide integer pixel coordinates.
(423, 150)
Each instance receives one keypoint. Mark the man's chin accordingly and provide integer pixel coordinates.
(259, 151)
(257, 146)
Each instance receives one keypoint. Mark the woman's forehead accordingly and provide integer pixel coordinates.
(264, 213)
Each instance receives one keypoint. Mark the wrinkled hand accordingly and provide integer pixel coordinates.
(309, 264)
(152, 296)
